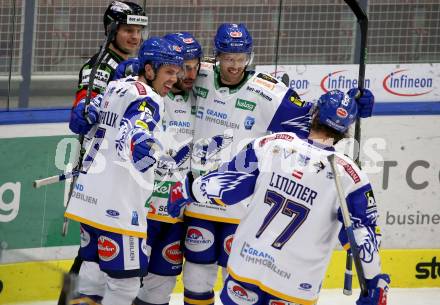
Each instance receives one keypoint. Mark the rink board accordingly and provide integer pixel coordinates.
(38, 281)
(407, 196)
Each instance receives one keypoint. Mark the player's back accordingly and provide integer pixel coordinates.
(286, 239)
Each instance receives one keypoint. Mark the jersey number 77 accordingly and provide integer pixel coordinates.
(295, 210)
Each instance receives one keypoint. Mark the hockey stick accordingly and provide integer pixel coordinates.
(58, 178)
(108, 40)
(362, 20)
(348, 226)
(54, 179)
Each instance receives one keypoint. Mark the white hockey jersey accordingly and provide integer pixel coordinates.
(110, 193)
(174, 164)
(284, 243)
(228, 119)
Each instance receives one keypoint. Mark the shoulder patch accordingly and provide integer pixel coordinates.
(298, 102)
(264, 83)
(141, 89)
(278, 136)
(267, 78)
(349, 169)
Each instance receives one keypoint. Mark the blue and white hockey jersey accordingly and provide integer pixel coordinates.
(285, 241)
(228, 119)
(174, 163)
(110, 193)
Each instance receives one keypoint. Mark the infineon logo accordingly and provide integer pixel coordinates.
(245, 105)
(300, 85)
(337, 80)
(401, 84)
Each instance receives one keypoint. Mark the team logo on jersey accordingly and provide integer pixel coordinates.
(225, 181)
(249, 122)
(227, 244)
(240, 295)
(172, 253)
(84, 236)
(198, 239)
(301, 123)
(108, 249)
(205, 150)
(174, 161)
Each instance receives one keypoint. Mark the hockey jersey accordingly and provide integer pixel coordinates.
(104, 74)
(174, 163)
(285, 241)
(228, 119)
(110, 193)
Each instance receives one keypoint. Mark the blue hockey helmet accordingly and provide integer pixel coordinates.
(337, 110)
(232, 38)
(190, 46)
(159, 51)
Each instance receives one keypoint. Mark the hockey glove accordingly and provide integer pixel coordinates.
(365, 102)
(377, 291)
(143, 146)
(129, 67)
(180, 195)
(78, 122)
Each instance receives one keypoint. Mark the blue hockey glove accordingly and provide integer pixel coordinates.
(365, 102)
(78, 123)
(143, 146)
(180, 195)
(129, 67)
(377, 291)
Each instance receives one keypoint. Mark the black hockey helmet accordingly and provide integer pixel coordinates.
(124, 12)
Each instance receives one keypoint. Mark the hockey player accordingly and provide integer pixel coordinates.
(132, 25)
(235, 106)
(132, 22)
(283, 244)
(117, 177)
(164, 232)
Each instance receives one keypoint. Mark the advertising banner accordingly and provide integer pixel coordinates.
(389, 82)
